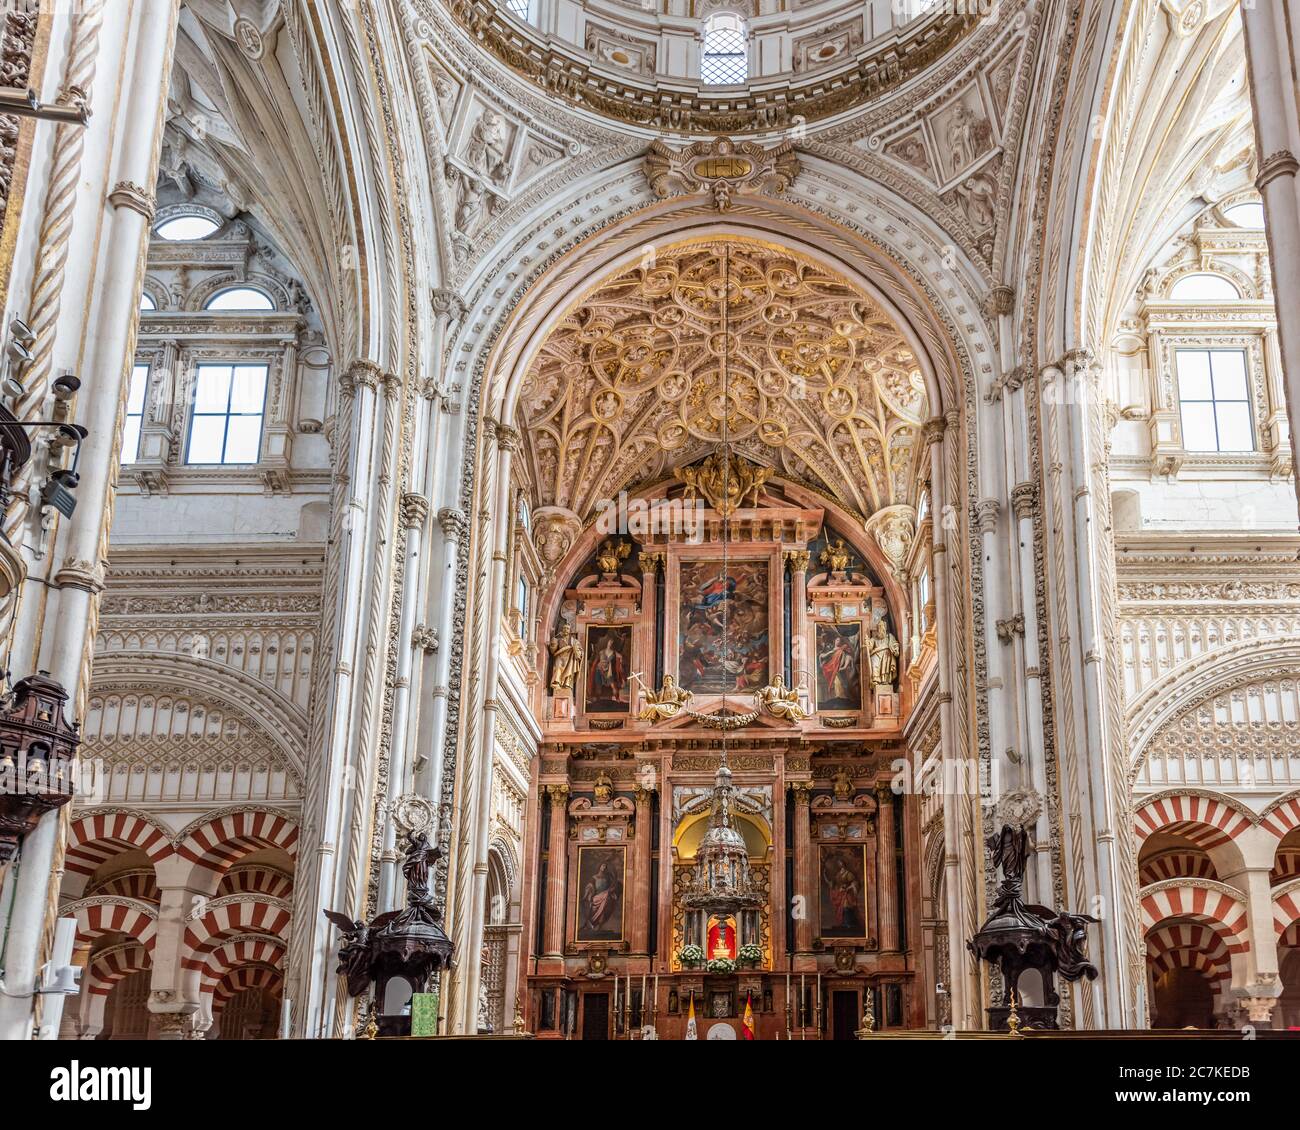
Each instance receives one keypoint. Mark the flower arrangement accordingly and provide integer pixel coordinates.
(720, 965)
(690, 956)
(750, 955)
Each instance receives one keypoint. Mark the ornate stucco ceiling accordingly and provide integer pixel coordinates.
(820, 382)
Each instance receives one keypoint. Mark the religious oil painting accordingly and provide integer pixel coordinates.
(600, 894)
(609, 655)
(724, 638)
(843, 890)
(839, 675)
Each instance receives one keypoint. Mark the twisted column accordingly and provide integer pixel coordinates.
(45, 300)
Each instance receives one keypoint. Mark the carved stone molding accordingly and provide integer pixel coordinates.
(722, 167)
(1024, 500)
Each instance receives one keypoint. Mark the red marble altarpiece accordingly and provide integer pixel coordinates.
(616, 801)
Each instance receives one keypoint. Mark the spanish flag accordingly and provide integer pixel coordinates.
(691, 1033)
(749, 1016)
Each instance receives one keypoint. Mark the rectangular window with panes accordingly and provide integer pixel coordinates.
(1214, 400)
(226, 421)
(134, 413)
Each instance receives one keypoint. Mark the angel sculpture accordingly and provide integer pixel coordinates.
(354, 952)
(611, 555)
(781, 702)
(664, 703)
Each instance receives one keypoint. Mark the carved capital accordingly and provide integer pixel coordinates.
(559, 795)
(415, 508)
(802, 792)
(507, 437)
(652, 562)
(1024, 499)
(1283, 163)
(933, 429)
(453, 522)
(136, 198)
(797, 559)
(986, 514)
(361, 374)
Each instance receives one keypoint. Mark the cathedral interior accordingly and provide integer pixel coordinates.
(677, 512)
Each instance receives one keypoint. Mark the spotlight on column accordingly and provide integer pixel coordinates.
(17, 353)
(66, 386)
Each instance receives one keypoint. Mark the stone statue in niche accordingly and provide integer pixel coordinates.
(836, 558)
(883, 654)
(610, 557)
(566, 661)
(978, 195)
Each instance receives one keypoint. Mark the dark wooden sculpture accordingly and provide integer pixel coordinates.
(1019, 936)
(408, 943)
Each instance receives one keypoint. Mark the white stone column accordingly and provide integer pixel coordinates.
(334, 796)
(476, 809)
(114, 203)
(1272, 32)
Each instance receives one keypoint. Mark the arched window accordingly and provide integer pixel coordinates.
(186, 228)
(1246, 215)
(1204, 288)
(239, 298)
(518, 8)
(725, 57)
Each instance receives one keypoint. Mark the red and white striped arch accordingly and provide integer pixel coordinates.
(107, 968)
(137, 884)
(241, 951)
(218, 843)
(1286, 866)
(245, 977)
(1223, 912)
(107, 914)
(241, 914)
(1286, 908)
(1188, 945)
(1205, 821)
(99, 836)
(1290, 936)
(256, 880)
(1283, 816)
(1176, 865)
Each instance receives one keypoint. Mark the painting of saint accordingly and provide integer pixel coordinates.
(600, 894)
(723, 625)
(843, 891)
(608, 659)
(839, 675)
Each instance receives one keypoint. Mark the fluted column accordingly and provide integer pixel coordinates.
(887, 869)
(641, 879)
(803, 867)
(798, 560)
(557, 847)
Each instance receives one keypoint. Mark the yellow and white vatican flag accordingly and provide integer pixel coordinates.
(691, 1032)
